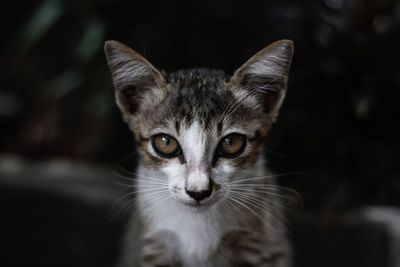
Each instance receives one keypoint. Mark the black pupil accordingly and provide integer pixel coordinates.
(166, 140)
(228, 141)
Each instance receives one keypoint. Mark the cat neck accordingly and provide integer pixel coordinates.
(198, 231)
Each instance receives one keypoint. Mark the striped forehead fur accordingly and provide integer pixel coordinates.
(202, 96)
(198, 94)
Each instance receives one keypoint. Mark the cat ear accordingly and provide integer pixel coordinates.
(137, 82)
(261, 81)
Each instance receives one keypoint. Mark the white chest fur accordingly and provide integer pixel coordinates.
(197, 232)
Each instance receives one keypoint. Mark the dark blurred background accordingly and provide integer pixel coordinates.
(336, 140)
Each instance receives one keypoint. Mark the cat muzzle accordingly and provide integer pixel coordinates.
(202, 194)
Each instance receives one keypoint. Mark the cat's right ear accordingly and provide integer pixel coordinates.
(137, 82)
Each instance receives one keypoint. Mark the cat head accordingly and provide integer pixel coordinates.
(196, 128)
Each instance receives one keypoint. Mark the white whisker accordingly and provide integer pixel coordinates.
(260, 177)
(239, 212)
(273, 193)
(242, 99)
(256, 204)
(235, 199)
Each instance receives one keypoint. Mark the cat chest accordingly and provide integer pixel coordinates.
(196, 238)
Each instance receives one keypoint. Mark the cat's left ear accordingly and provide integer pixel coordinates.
(261, 81)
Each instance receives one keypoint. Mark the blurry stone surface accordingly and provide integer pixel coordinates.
(69, 214)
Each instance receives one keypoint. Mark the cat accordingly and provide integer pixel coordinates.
(204, 195)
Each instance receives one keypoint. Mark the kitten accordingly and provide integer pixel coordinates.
(204, 195)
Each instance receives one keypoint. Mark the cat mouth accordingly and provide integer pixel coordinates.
(200, 204)
(196, 205)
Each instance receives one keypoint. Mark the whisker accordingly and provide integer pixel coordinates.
(144, 177)
(259, 206)
(121, 205)
(240, 213)
(231, 104)
(143, 184)
(261, 177)
(274, 204)
(119, 170)
(265, 186)
(135, 182)
(271, 192)
(260, 198)
(241, 100)
(154, 182)
(169, 109)
(133, 193)
(235, 199)
(135, 174)
(161, 197)
(259, 187)
(148, 190)
(237, 104)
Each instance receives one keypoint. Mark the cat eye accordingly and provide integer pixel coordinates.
(166, 146)
(231, 145)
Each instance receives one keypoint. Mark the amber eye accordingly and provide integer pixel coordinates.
(166, 146)
(231, 145)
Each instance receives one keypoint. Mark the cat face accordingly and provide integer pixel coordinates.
(195, 129)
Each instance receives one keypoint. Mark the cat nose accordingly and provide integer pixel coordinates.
(199, 195)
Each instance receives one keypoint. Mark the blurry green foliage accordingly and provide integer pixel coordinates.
(337, 124)
(41, 21)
